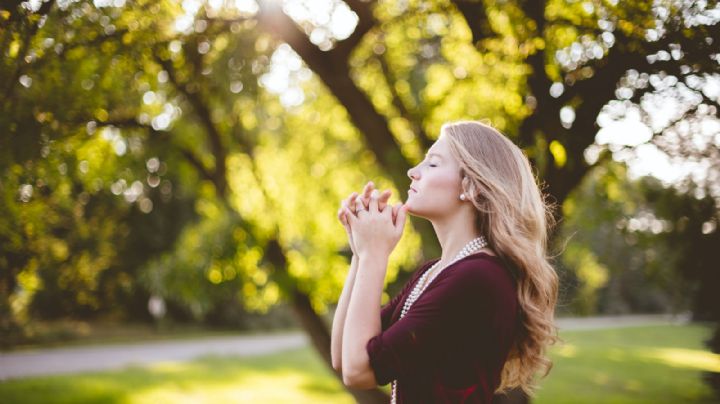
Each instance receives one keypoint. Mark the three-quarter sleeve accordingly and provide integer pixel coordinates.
(386, 313)
(437, 320)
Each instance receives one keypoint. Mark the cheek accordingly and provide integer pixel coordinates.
(439, 190)
(445, 184)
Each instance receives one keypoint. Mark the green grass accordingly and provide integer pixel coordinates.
(653, 364)
(295, 376)
(657, 364)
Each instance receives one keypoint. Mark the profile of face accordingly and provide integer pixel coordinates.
(436, 187)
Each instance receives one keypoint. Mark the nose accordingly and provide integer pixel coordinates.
(413, 173)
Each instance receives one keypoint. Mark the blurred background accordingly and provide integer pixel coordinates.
(171, 171)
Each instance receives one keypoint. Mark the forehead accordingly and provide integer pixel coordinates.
(439, 148)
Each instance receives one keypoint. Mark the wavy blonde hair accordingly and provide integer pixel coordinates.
(515, 218)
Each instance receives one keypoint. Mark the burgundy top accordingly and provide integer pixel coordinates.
(452, 344)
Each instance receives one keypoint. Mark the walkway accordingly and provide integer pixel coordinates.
(49, 361)
(103, 357)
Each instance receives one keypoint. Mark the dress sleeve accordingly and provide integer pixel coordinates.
(433, 322)
(387, 311)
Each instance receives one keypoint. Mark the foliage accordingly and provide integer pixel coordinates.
(197, 150)
(616, 259)
(236, 166)
(691, 218)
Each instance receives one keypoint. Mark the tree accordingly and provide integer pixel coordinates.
(543, 71)
(569, 61)
(76, 208)
(616, 259)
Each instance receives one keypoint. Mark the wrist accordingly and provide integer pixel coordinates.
(366, 258)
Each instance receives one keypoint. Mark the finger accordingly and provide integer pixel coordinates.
(344, 216)
(359, 207)
(345, 205)
(368, 189)
(366, 193)
(351, 218)
(373, 206)
(387, 214)
(395, 209)
(401, 217)
(351, 201)
(382, 201)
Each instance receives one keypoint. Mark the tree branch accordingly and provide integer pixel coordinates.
(187, 153)
(44, 10)
(332, 68)
(366, 22)
(476, 18)
(219, 173)
(413, 120)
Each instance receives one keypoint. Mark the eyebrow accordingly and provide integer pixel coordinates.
(433, 154)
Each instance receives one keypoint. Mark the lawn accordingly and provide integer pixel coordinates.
(655, 364)
(295, 376)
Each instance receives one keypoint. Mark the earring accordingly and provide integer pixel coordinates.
(462, 197)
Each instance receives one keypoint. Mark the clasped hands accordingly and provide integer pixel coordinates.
(372, 226)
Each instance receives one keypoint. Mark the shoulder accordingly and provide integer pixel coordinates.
(482, 271)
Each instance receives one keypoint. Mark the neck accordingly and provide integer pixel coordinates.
(454, 233)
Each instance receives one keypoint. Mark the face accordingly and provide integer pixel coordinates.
(435, 189)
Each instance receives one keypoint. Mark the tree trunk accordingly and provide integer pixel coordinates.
(713, 378)
(319, 334)
(312, 323)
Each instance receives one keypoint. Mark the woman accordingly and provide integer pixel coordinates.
(477, 320)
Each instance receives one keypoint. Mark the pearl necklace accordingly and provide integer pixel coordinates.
(469, 248)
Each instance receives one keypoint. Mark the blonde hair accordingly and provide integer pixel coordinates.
(515, 218)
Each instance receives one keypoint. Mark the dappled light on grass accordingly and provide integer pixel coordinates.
(567, 350)
(686, 358)
(653, 364)
(283, 386)
(296, 376)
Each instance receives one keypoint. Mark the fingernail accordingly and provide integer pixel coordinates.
(374, 193)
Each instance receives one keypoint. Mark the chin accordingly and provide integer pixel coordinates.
(412, 211)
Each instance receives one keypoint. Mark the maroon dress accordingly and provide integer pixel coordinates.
(453, 342)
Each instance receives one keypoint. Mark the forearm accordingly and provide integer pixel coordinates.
(363, 320)
(341, 314)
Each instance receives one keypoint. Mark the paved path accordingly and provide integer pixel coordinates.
(82, 359)
(103, 357)
(633, 320)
